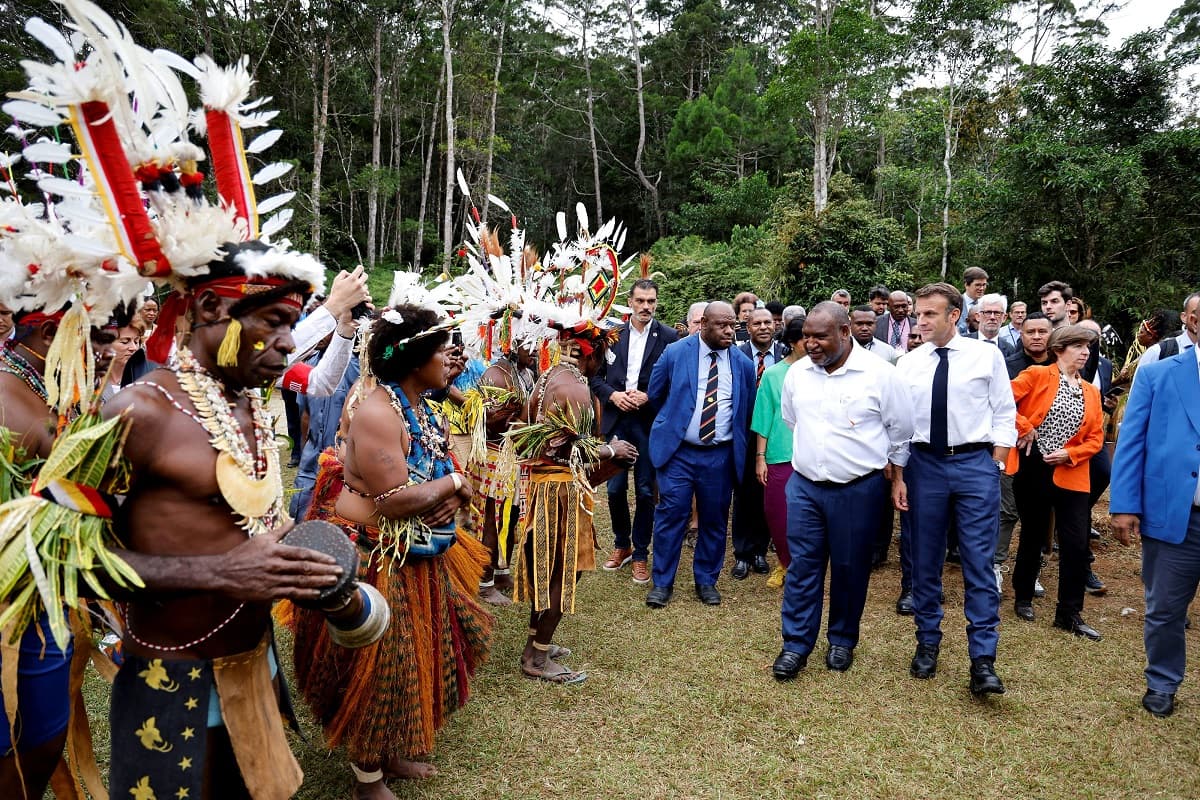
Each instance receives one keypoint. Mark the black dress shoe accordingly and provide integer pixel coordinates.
(741, 570)
(1160, 704)
(983, 678)
(1076, 625)
(708, 594)
(659, 596)
(952, 557)
(788, 665)
(924, 663)
(1024, 611)
(839, 658)
(904, 606)
(761, 566)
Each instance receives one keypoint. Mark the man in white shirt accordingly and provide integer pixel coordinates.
(952, 469)
(862, 328)
(849, 412)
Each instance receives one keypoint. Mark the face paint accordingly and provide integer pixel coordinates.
(260, 345)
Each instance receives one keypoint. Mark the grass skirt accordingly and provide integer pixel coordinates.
(391, 698)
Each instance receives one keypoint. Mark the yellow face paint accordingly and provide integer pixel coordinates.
(260, 345)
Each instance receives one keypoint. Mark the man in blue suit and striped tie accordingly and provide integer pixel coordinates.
(702, 393)
(1156, 494)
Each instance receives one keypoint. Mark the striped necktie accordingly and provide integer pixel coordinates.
(761, 367)
(708, 412)
(895, 333)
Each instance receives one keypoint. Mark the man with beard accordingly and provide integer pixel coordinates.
(849, 413)
(620, 385)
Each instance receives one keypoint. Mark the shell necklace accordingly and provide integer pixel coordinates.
(250, 483)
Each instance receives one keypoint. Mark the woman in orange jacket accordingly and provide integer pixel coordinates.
(1060, 425)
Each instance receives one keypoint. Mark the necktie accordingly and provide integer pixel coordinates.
(708, 412)
(992, 342)
(937, 410)
(761, 366)
(895, 333)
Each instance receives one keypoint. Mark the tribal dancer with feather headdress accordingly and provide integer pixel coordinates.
(393, 487)
(193, 554)
(573, 290)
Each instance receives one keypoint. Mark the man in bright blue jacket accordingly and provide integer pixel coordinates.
(702, 394)
(1156, 494)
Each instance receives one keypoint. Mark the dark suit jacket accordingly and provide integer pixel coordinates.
(1006, 349)
(883, 330)
(1105, 368)
(672, 393)
(612, 374)
(1019, 361)
(752, 353)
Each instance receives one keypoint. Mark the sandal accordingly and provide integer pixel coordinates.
(565, 677)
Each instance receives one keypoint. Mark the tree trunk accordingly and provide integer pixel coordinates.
(425, 176)
(491, 144)
(320, 127)
(820, 153)
(376, 125)
(448, 199)
(950, 131)
(591, 118)
(641, 103)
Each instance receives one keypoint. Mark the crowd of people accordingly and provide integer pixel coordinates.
(449, 446)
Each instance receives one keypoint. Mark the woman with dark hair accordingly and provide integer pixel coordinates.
(384, 703)
(1077, 310)
(1060, 424)
(773, 453)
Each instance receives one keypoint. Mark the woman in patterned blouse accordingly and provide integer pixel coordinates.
(1060, 423)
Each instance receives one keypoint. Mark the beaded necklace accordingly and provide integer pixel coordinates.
(14, 363)
(249, 482)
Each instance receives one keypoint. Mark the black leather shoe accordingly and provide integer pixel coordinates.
(983, 678)
(708, 594)
(904, 606)
(787, 665)
(1077, 626)
(741, 570)
(839, 658)
(761, 566)
(1160, 704)
(659, 596)
(924, 663)
(1024, 611)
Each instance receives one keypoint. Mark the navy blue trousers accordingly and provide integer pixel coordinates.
(639, 531)
(1171, 573)
(834, 527)
(708, 475)
(964, 488)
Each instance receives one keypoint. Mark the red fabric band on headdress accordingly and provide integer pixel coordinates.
(158, 346)
(230, 169)
(37, 318)
(97, 134)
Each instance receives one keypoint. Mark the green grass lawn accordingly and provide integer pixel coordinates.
(681, 704)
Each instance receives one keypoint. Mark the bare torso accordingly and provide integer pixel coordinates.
(175, 508)
(23, 411)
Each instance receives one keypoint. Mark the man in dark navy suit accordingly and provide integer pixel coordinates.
(621, 386)
(702, 394)
(750, 535)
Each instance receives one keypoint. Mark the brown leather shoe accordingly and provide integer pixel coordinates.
(619, 558)
(641, 572)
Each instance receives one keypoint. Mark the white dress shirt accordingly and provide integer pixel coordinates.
(846, 423)
(1152, 352)
(979, 398)
(637, 351)
(724, 431)
(327, 374)
(882, 349)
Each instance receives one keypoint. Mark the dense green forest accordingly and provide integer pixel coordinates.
(790, 147)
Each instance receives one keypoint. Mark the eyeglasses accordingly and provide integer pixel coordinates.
(992, 313)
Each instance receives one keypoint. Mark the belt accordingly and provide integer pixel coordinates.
(851, 482)
(712, 446)
(957, 449)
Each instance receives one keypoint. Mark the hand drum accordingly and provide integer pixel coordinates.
(324, 537)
